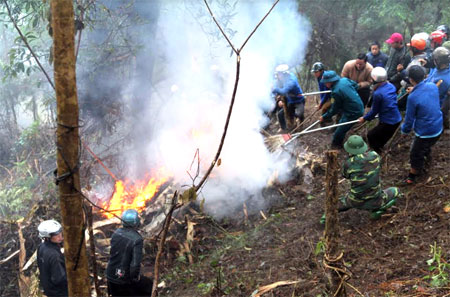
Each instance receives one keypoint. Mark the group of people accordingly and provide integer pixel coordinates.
(123, 270)
(415, 79)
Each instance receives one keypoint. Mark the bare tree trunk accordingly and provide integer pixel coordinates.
(332, 256)
(67, 141)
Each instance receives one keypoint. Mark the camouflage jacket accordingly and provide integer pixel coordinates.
(363, 171)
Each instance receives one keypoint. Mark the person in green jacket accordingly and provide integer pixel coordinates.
(345, 99)
(362, 168)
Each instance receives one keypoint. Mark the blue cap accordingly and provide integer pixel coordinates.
(329, 76)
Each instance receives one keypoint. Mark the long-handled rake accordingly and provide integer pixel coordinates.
(277, 141)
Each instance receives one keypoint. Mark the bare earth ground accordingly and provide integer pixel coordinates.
(386, 257)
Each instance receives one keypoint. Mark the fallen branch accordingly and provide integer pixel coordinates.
(9, 257)
(267, 288)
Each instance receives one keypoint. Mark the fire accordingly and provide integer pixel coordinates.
(135, 195)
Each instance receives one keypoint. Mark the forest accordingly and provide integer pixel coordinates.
(165, 107)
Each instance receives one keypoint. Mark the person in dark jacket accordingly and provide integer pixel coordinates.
(51, 264)
(293, 103)
(375, 57)
(398, 59)
(345, 99)
(424, 116)
(384, 105)
(123, 270)
(325, 99)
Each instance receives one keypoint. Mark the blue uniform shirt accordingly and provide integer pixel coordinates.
(385, 105)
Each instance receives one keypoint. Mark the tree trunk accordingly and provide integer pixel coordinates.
(67, 141)
(332, 257)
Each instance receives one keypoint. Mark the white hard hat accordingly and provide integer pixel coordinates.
(282, 68)
(379, 74)
(49, 228)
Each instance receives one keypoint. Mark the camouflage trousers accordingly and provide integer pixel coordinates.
(345, 203)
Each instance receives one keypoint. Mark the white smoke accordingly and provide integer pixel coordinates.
(197, 71)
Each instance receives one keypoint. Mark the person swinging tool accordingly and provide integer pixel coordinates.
(345, 99)
(289, 99)
(362, 168)
(123, 270)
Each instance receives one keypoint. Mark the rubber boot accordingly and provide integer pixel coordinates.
(376, 214)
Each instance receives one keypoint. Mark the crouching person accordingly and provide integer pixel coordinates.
(52, 267)
(362, 168)
(123, 270)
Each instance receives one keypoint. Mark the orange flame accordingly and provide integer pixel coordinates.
(134, 195)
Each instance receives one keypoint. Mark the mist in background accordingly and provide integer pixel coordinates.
(193, 76)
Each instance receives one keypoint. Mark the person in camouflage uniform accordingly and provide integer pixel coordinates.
(362, 168)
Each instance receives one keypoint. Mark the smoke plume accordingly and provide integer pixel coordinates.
(194, 77)
(184, 102)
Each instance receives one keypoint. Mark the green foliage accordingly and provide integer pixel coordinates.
(31, 18)
(205, 288)
(438, 267)
(320, 248)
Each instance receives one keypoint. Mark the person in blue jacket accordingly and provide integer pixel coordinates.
(325, 99)
(294, 102)
(345, 99)
(424, 116)
(441, 58)
(385, 106)
(375, 57)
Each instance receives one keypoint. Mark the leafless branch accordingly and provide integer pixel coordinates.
(220, 28)
(260, 22)
(233, 97)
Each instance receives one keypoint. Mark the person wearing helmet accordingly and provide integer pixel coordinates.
(325, 99)
(362, 168)
(385, 106)
(444, 29)
(424, 116)
(441, 58)
(437, 39)
(359, 70)
(417, 48)
(398, 59)
(51, 263)
(289, 99)
(123, 270)
(345, 99)
(375, 57)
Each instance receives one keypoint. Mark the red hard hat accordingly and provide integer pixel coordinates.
(438, 36)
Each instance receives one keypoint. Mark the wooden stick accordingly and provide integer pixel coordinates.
(331, 233)
(305, 120)
(161, 244)
(92, 248)
(9, 257)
